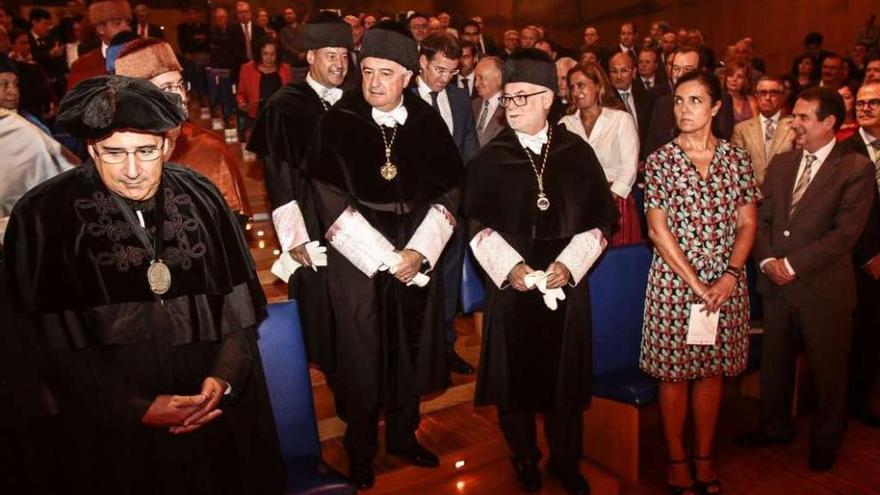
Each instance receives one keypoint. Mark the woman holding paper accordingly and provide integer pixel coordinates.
(702, 216)
(539, 213)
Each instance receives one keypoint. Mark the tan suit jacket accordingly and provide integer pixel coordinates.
(749, 135)
(819, 237)
(496, 123)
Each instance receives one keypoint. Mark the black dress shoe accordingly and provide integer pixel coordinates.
(362, 476)
(571, 478)
(761, 439)
(418, 455)
(866, 417)
(459, 365)
(822, 459)
(527, 474)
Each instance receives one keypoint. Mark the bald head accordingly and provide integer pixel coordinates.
(487, 77)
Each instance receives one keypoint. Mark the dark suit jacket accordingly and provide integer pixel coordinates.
(237, 42)
(818, 239)
(644, 102)
(495, 123)
(464, 129)
(153, 31)
(663, 128)
(868, 244)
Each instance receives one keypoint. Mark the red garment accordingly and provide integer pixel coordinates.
(248, 92)
(846, 131)
(206, 152)
(89, 64)
(629, 227)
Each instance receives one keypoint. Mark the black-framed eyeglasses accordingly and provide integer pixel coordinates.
(768, 93)
(144, 154)
(518, 100)
(181, 87)
(872, 104)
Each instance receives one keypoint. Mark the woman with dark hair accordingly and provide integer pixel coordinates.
(737, 77)
(600, 119)
(850, 125)
(804, 67)
(260, 79)
(702, 217)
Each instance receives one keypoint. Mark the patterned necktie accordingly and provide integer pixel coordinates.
(648, 83)
(802, 183)
(769, 134)
(876, 145)
(484, 114)
(434, 103)
(626, 101)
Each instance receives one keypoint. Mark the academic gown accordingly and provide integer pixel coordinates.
(390, 345)
(112, 346)
(281, 136)
(534, 359)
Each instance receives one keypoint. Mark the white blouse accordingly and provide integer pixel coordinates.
(615, 140)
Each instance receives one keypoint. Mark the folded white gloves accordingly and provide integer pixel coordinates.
(285, 265)
(391, 262)
(551, 296)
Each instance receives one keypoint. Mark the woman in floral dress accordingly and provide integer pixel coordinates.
(701, 209)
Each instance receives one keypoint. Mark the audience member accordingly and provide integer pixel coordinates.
(737, 77)
(511, 42)
(696, 265)
(418, 27)
(109, 18)
(832, 71)
(529, 36)
(803, 70)
(466, 64)
(638, 102)
(769, 133)
(627, 41)
(142, 25)
(260, 79)
(488, 113)
(850, 125)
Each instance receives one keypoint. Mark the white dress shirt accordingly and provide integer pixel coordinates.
(534, 142)
(470, 83)
(868, 139)
(649, 82)
(615, 140)
(393, 118)
(494, 101)
(821, 154)
(330, 95)
(442, 102)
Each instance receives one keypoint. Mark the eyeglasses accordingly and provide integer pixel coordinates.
(443, 72)
(181, 87)
(871, 104)
(620, 70)
(143, 154)
(518, 100)
(768, 93)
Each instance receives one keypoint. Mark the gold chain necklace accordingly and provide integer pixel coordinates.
(389, 170)
(543, 202)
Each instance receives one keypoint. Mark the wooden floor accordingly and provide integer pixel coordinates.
(461, 432)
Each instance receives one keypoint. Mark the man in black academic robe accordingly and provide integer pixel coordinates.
(282, 133)
(141, 284)
(539, 214)
(384, 200)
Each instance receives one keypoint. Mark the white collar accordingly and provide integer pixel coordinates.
(104, 47)
(393, 118)
(624, 49)
(534, 142)
(424, 89)
(822, 153)
(774, 118)
(866, 137)
(627, 90)
(330, 95)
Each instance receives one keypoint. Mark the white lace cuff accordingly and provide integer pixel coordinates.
(495, 255)
(582, 251)
(290, 226)
(361, 244)
(433, 234)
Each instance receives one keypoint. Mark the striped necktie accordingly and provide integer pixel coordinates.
(876, 145)
(802, 183)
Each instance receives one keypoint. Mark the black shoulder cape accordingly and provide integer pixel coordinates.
(75, 261)
(347, 153)
(501, 188)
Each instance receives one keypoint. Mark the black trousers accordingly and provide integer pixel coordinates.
(865, 356)
(825, 335)
(361, 436)
(563, 429)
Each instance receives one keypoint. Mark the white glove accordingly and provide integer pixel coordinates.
(285, 265)
(551, 296)
(391, 262)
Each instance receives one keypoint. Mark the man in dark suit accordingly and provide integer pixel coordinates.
(626, 41)
(471, 31)
(638, 102)
(812, 214)
(866, 260)
(47, 50)
(662, 128)
(439, 56)
(466, 64)
(245, 36)
(650, 78)
(488, 112)
(142, 25)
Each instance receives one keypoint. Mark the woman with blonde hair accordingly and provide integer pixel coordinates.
(737, 83)
(600, 118)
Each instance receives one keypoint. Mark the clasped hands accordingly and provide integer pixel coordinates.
(409, 266)
(716, 294)
(557, 276)
(187, 413)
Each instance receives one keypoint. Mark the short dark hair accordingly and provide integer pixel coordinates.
(832, 55)
(268, 40)
(830, 103)
(813, 38)
(708, 81)
(550, 43)
(38, 14)
(663, 26)
(443, 43)
(648, 49)
(701, 56)
(770, 77)
(415, 16)
(471, 23)
(467, 44)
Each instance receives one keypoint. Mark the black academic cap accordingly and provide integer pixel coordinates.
(327, 29)
(98, 106)
(531, 65)
(391, 41)
(6, 64)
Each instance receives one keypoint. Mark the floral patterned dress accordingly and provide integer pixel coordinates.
(701, 214)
